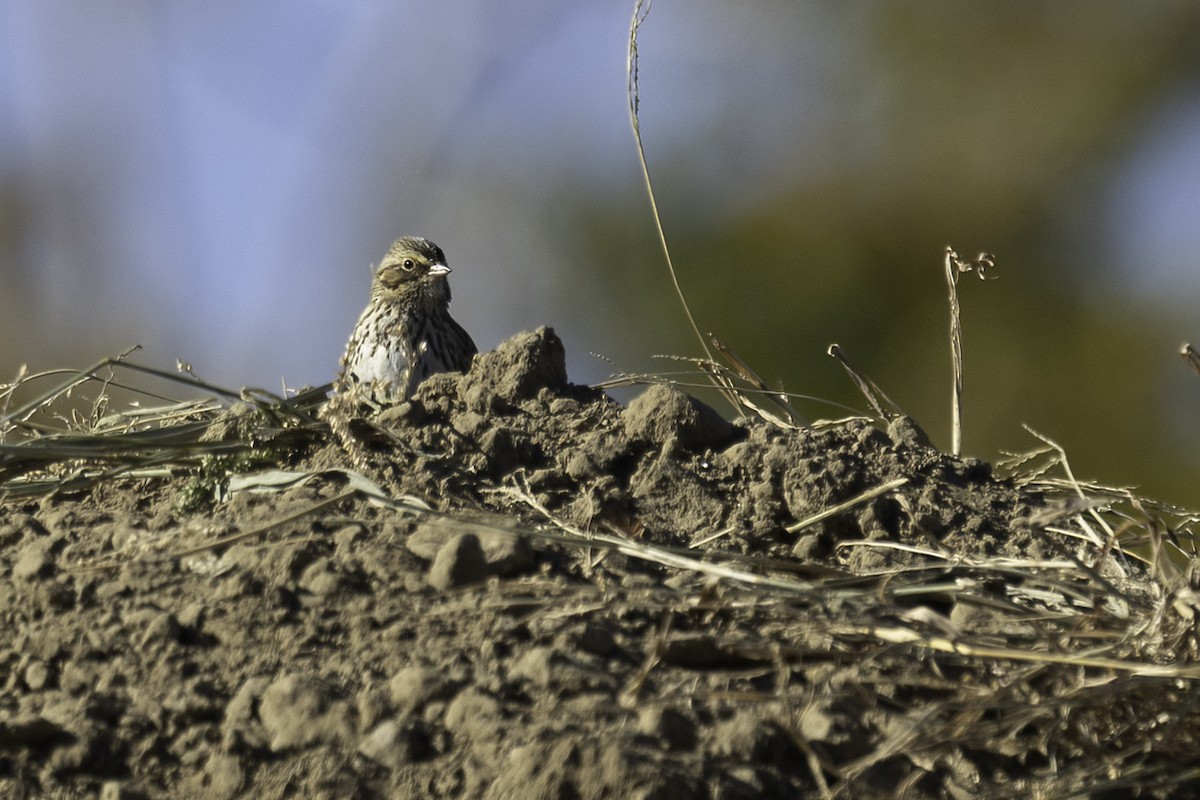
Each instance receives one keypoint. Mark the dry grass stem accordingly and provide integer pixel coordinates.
(858, 500)
(955, 267)
(641, 9)
(870, 390)
(1191, 357)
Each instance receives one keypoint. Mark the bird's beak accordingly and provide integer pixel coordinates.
(438, 270)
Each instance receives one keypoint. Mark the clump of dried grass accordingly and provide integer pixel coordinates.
(64, 430)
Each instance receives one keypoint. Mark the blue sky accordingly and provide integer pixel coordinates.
(214, 180)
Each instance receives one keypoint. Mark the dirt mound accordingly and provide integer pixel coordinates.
(604, 602)
(676, 471)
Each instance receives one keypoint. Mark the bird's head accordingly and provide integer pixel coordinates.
(411, 266)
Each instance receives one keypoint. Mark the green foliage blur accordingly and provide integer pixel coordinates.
(991, 126)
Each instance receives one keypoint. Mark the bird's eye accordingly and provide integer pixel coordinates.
(408, 265)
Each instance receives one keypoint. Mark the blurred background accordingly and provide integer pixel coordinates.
(213, 181)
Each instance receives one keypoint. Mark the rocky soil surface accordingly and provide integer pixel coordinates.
(601, 602)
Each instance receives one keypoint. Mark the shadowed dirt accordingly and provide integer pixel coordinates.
(698, 645)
